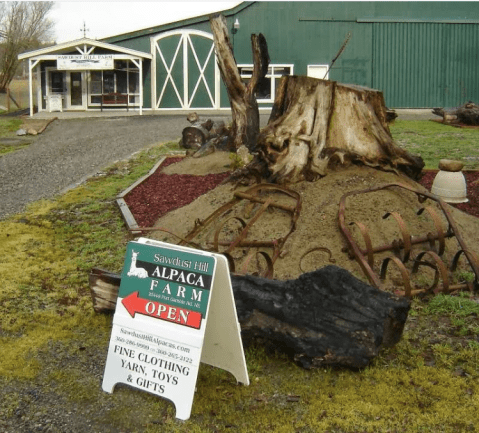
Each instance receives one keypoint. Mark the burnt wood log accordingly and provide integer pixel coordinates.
(244, 107)
(316, 124)
(194, 136)
(203, 138)
(467, 114)
(323, 318)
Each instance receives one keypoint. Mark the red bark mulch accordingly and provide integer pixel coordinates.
(161, 193)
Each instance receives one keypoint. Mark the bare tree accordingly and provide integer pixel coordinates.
(23, 26)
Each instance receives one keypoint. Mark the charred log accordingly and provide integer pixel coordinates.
(325, 317)
(203, 138)
(194, 136)
(467, 114)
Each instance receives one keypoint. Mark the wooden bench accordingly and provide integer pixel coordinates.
(114, 98)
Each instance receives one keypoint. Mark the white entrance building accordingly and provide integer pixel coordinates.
(86, 75)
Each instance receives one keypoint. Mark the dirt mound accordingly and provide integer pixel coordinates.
(317, 230)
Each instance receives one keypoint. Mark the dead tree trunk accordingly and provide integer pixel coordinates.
(467, 114)
(244, 108)
(317, 123)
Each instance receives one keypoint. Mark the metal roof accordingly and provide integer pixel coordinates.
(176, 24)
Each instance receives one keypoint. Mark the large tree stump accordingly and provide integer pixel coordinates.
(244, 107)
(316, 123)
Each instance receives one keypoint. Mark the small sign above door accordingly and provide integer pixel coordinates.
(84, 62)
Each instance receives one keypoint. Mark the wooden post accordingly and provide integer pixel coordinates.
(31, 65)
(140, 83)
(8, 99)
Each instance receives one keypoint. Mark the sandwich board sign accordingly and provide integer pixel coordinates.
(175, 309)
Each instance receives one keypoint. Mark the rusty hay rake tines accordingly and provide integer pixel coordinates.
(402, 248)
(253, 195)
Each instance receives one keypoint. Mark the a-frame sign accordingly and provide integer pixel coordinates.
(175, 309)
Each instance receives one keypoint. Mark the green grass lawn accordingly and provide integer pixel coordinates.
(434, 141)
(8, 127)
(52, 341)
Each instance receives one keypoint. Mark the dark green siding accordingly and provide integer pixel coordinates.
(169, 46)
(198, 93)
(141, 41)
(426, 64)
(420, 54)
(296, 34)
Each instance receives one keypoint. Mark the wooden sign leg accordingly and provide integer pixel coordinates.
(222, 346)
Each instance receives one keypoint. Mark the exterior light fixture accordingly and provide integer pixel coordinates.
(236, 25)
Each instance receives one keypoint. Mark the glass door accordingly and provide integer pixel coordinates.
(76, 90)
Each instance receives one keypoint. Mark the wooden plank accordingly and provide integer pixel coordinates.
(128, 216)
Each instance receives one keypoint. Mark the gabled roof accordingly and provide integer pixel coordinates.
(176, 24)
(82, 43)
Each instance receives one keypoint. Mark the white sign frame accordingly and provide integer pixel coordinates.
(80, 62)
(161, 356)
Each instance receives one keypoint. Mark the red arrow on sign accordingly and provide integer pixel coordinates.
(134, 304)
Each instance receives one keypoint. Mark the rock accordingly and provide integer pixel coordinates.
(193, 118)
(32, 132)
(244, 154)
(21, 131)
(450, 165)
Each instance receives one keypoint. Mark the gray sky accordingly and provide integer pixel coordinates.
(110, 18)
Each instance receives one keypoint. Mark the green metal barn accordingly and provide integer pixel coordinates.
(420, 54)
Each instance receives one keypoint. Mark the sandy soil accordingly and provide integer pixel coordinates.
(317, 229)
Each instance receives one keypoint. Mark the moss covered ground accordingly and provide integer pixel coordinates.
(53, 346)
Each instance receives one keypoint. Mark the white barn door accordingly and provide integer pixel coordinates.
(185, 73)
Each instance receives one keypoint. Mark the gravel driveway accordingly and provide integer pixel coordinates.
(69, 151)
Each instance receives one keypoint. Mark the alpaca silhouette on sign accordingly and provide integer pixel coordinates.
(134, 271)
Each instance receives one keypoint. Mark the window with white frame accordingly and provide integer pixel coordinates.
(266, 89)
(123, 79)
(318, 71)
